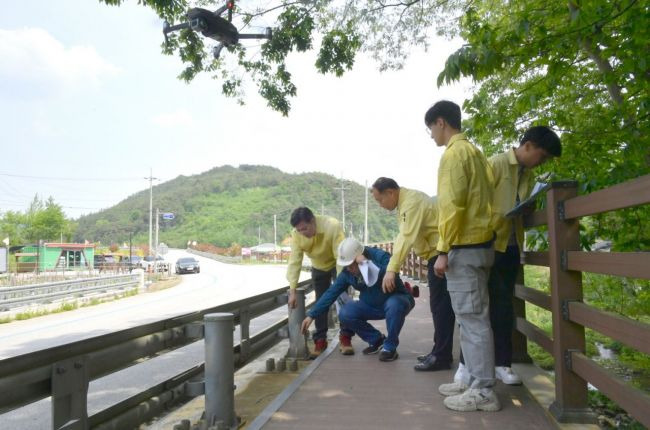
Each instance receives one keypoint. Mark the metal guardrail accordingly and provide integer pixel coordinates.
(64, 372)
(216, 257)
(11, 297)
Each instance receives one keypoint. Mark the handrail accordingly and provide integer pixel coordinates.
(27, 378)
(570, 315)
(628, 264)
(628, 194)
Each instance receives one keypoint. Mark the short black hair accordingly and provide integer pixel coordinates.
(382, 184)
(301, 214)
(449, 111)
(543, 137)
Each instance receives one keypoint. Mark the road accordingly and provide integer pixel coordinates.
(217, 283)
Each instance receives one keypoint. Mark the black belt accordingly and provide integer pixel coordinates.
(482, 245)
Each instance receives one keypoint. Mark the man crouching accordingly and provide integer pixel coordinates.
(364, 270)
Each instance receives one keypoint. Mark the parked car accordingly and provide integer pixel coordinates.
(149, 262)
(136, 262)
(105, 262)
(187, 265)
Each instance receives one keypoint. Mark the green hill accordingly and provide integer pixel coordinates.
(229, 205)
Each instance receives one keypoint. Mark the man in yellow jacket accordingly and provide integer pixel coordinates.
(513, 182)
(319, 238)
(417, 216)
(466, 246)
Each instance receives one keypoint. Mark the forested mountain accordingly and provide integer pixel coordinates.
(229, 205)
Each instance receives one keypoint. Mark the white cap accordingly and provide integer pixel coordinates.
(349, 249)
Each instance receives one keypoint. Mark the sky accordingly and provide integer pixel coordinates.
(89, 106)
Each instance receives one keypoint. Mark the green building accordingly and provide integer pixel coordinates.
(53, 256)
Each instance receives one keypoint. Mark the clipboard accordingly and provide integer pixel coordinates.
(539, 189)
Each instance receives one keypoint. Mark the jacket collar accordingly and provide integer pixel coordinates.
(455, 138)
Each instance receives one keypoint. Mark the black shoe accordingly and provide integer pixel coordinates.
(421, 358)
(388, 355)
(373, 349)
(432, 364)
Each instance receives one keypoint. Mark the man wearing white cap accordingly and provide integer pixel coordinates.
(364, 270)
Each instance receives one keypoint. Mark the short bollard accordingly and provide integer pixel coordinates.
(292, 365)
(270, 365)
(219, 370)
(281, 364)
(297, 340)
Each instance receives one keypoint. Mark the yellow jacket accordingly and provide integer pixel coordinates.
(506, 175)
(465, 191)
(417, 216)
(322, 248)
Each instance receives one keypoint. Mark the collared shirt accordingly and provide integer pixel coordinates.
(465, 191)
(322, 248)
(508, 186)
(417, 216)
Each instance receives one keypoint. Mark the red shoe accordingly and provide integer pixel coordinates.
(414, 291)
(319, 346)
(345, 345)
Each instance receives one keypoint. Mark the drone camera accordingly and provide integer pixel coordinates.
(211, 24)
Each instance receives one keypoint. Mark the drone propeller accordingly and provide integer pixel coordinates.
(212, 25)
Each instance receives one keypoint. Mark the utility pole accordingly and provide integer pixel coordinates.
(150, 178)
(342, 188)
(275, 236)
(157, 230)
(130, 251)
(365, 219)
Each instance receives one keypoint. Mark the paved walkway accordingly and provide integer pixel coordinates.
(360, 392)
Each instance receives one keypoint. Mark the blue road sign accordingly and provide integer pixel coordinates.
(168, 215)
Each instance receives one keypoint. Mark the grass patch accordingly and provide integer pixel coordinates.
(63, 307)
(163, 284)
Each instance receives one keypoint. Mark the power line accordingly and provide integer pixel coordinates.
(50, 178)
(63, 207)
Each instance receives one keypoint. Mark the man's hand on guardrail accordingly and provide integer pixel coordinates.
(292, 298)
(304, 328)
(388, 284)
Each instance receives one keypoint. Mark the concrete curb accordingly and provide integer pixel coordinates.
(277, 403)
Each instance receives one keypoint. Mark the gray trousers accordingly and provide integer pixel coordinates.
(467, 277)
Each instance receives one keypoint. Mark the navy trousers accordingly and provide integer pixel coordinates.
(442, 314)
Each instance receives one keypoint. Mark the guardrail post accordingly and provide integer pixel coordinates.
(519, 340)
(570, 403)
(219, 370)
(297, 340)
(244, 334)
(140, 274)
(70, 395)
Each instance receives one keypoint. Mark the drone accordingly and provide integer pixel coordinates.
(212, 25)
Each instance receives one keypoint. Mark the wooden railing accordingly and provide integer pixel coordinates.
(570, 316)
(573, 369)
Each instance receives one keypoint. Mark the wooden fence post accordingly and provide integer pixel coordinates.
(519, 340)
(570, 403)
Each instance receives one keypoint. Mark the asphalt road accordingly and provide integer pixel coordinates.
(217, 283)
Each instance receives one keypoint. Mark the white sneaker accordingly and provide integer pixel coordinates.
(507, 375)
(453, 389)
(461, 374)
(474, 399)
